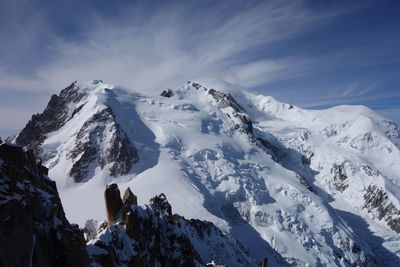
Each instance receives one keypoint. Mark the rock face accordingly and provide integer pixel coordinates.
(154, 236)
(34, 230)
(339, 177)
(232, 108)
(167, 93)
(113, 203)
(100, 140)
(129, 198)
(53, 118)
(91, 138)
(378, 203)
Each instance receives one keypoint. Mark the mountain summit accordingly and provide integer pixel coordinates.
(83, 119)
(296, 186)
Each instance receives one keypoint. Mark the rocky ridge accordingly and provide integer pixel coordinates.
(153, 235)
(55, 115)
(100, 141)
(34, 229)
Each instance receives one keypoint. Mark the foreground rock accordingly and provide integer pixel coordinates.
(33, 227)
(153, 236)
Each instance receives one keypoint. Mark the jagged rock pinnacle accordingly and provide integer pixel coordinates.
(113, 203)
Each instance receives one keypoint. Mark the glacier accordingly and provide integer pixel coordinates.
(299, 187)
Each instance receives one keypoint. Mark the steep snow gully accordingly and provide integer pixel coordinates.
(299, 187)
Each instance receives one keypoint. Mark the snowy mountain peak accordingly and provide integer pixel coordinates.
(303, 187)
(79, 132)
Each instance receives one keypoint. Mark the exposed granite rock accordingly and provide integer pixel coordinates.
(339, 177)
(378, 203)
(53, 118)
(33, 227)
(113, 203)
(161, 206)
(225, 100)
(196, 85)
(370, 172)
(91, 140)
(154, 236)
(247, 124)
(167, 93)
(263, 263)
(129, 198)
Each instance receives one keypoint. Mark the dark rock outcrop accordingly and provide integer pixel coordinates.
(339, 177)
(53, 118)
(247, 125)
(263, 262)
(167, 93)
(154, 236)
(129, 198)
(370, 172)
(33, 227)
(113, 203)
(225, 100)
(378, 203)
(94, 135)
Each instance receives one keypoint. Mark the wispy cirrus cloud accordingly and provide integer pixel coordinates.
(169, 45)
(148, 48)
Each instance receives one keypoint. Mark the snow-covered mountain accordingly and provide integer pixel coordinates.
(292, 185)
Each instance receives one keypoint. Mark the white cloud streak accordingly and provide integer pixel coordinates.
(149, 52)
(177, 44)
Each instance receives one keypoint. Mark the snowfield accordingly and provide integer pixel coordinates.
(301, 187)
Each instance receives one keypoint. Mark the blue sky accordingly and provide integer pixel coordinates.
(314, 54)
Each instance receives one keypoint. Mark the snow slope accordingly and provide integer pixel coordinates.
(292, 185)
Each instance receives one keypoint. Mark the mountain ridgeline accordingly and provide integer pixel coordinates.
(99, 131)
(298, 187)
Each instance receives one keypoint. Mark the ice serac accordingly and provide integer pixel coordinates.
(82, 117)
(152, 236)
(34, 230)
